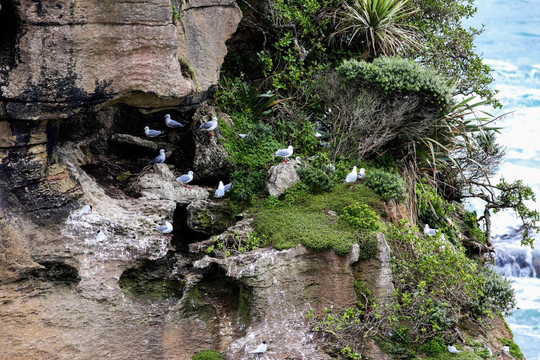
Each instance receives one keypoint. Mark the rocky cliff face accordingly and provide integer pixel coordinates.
(79, 80)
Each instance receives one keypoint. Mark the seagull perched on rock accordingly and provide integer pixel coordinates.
(285, 153)
(506, 349)
(261, 349)
(165, 229)
(152, 133)
(158, 159)
(85, 210)
(429, 231)
(172, 123)
(186, 178)
(100, 236)
(220, 191)
(210, 125)
(352, 176)
(452, 349)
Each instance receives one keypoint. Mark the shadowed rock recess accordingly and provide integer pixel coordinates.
(79, 81)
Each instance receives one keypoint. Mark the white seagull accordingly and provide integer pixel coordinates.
(100, 236)
(506, 349)
(285, 153)
(220, 192)
(85, 210)
(158, 159)
(352, 176)
(186, 178)
(261, 349)
(227, 187)
(165, 229)
(429, 231)
(152, 133)
(361, 173)
(210, 125)
(172, 123)
(452, 349)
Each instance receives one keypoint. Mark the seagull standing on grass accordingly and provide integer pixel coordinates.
(210, 125)
(85, 210)
(185, 179)
(285, 153)
(429, 231)
(172, 123)
(165, 229)
(352, 176)
(261, 349)
(452, 349)
(152, 133)
(158, 159)
(100, 236)
(361, 173)
(220, 192)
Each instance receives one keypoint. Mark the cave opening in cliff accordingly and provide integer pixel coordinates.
(57, 272)
(183, 235)
(153, 280)
(9, 28)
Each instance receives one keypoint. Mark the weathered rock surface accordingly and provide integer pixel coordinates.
(162, 184)
(209, 217)
(74, 55)
(282, 177)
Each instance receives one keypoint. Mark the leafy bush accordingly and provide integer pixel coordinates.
(360, 217)
(496, 292)
(434, 346)
(318, 179)
(235, 244)
(473, 230)
(207, 355)
(399, 76)
(388, 185)
(246, 185)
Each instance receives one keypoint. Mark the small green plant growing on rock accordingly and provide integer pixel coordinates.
(207, 355)
(360, 217)
(236, 244)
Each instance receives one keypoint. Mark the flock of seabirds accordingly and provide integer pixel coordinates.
(185, 179)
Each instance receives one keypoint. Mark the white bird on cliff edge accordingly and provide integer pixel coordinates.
(506, 349)
(361, 173)
(172, 123)
(100, 236)
(165, 229)
(186, 178)
(452, 349)
(85, 210)
(210, 125)
(261, 349)
(158, 159)
(220, 191)
(285, 153)
(352, 176)
(152, 133)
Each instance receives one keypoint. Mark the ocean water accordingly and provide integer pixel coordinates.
(510, 44)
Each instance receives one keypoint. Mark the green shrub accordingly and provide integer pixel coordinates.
(246, 185)
(399, 76)
(360, 217)
(496, 292)
(235, 244)
(207, 355)
(473, 231)
(296, 193)
(434, 346)
(318, 179)
(386, 184)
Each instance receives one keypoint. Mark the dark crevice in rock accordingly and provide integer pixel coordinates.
(57, 272)
(153, 280)
(10, 25)
(182, 234)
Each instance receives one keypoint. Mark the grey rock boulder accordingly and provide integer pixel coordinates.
(282, 177)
